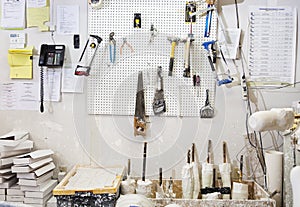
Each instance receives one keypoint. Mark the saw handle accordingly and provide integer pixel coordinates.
(139, 127)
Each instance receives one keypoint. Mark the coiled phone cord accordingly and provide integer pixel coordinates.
(42, 89)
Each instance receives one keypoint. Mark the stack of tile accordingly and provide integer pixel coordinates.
(12, 144)
(14, 194)
(34, 171)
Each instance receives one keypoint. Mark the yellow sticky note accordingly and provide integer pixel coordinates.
(20, 62)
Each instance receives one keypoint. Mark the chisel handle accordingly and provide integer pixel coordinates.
(160, 176)
(144, 162)
(128, 167)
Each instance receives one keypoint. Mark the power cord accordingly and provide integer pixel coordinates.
(42, 89)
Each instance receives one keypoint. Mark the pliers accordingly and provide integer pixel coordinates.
(123, 45)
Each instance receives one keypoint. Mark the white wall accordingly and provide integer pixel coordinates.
(78, 138)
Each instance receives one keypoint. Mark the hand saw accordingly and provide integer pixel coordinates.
(159, 104)
(140, 116)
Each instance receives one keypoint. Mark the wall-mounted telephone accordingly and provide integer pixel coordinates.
(52, 55)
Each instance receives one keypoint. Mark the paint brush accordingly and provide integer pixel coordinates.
(207, 111)
(144, 161)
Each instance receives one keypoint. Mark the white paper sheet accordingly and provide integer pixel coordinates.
(70, 82)
(52, 84)
(272, 38)
(19, 96)
(230, 43)
(13, 14)
(67, 19)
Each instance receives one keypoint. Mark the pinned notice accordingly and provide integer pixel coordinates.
(20, 62)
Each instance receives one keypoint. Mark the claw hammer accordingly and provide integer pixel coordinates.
(174, 41)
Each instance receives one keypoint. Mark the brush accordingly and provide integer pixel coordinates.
(207, 111)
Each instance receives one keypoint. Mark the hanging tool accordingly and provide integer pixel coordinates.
(188, 42)
(96, 4)
(187, 66)
(198, 80)
(208, 22)
(200, 12)
(140, 116)
(206, 47)
(153, 33)
(227, 79)
(159, 104)
(85, 70)
(174, 41)
(208, 19)
(207, 111)
(196, 83)
(112, 48)
(128, 45)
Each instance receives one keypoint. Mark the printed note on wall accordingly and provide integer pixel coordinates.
(272, 48)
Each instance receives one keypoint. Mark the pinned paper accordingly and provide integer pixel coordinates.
(38, 13)
(12, 14)
(20, 62)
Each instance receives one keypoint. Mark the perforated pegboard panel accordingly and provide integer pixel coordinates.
(112, 87)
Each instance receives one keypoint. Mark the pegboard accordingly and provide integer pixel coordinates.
(112, 86)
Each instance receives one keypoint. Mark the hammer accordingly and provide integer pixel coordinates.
(174, 41)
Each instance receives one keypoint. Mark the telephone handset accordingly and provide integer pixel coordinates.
(52, 55)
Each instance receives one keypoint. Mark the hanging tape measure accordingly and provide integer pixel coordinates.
(96, 4)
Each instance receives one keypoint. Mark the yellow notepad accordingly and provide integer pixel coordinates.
(20, 62)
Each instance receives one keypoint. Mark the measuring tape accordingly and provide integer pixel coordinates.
(96, 4)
